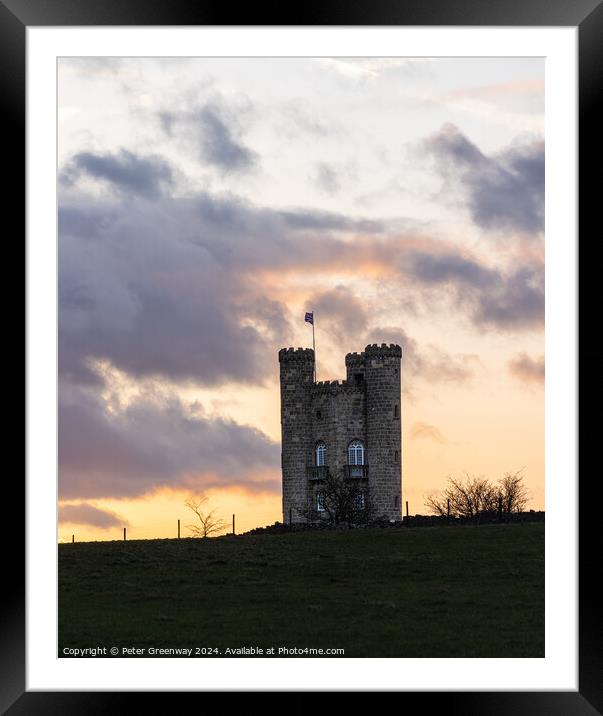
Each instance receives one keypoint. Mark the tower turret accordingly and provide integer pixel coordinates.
(383, 427)
(296, 380)
(354, 366)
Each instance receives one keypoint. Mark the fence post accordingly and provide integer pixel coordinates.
(72, 539)
(500, 508)
(407, 522)
(124, 534)
(448, 509)
(178, 529)
(233, 525)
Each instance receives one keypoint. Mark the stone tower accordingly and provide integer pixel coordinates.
(351, 428)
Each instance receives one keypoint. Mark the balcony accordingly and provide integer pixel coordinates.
(355, 471)
(318, 472)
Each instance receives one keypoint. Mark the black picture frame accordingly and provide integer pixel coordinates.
(587, 16)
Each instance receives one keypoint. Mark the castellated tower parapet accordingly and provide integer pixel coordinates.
(374, 349)
(362, 410)
(297, 354)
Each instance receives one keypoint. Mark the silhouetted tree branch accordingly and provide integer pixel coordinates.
(513, 493)
(209, 522)
(343, 501)
(475, 496)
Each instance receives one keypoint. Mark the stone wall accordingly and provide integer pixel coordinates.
(337, 418)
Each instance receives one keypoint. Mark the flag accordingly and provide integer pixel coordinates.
(309, 318)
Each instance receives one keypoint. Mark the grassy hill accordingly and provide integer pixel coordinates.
(461, 591)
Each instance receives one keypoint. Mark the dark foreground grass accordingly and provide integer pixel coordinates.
(423, 592)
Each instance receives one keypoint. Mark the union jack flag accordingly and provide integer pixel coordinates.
(309, 318)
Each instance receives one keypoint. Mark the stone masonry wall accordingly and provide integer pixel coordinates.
(383, 428)
(342, 419)
(296, 379)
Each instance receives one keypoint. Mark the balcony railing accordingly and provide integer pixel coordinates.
(355, 471)
(318, 472)
(321, 472)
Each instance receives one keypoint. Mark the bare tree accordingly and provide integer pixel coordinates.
(512, 492)
(338, 500)
(467, 498)
(436, 504)
(209, 523)
(475, 496)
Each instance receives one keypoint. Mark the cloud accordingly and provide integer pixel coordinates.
(426, 431)
(503, 191)
(172, 288)
(98, 67)
(327, 179)
(492, 92)
(342, 314)
(218, 143)
(179, 288)
(153, 290)
(215, 128)
(371, 68)
(153, 443)
(84, 514)
(317, 220)
(513, 300)
(340, 311)
(430, 363)
(300, 118)
(124, 172)
(527, 369)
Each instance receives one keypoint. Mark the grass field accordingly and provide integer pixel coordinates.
(461, 591)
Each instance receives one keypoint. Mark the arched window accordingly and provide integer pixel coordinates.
(358, 502)
(321, 454)
(356, 453)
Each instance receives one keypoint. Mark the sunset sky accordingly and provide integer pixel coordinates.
(206, 204)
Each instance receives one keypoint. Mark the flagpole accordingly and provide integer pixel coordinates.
(314, 346)
(309, 318)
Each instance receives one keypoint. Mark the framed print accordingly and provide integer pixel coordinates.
(234, 510)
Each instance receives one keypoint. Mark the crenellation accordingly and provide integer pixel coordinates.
(392, 350)
(287, 354)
